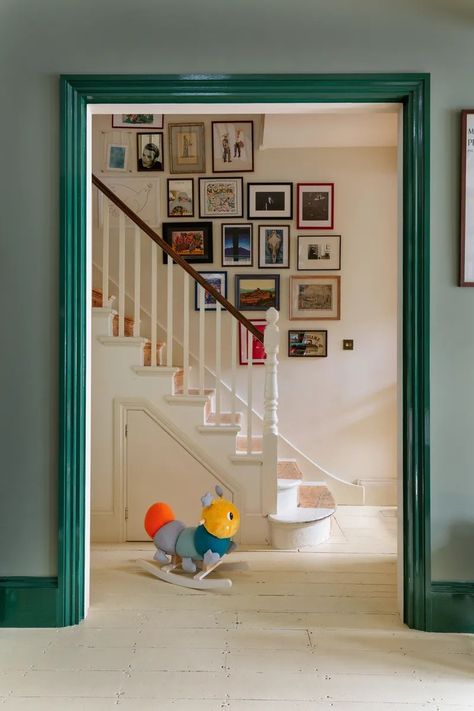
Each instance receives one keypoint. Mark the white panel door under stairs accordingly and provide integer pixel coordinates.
(159, 468)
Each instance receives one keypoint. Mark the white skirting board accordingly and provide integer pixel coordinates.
(379, 492)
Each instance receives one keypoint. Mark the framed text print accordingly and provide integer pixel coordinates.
(466, 276)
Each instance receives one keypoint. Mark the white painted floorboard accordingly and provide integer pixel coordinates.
(315, 630)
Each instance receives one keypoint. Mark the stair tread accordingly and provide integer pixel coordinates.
(287, 483)
(302, 515)
(195, 391)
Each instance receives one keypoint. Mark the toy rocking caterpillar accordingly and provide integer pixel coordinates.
(207, 542)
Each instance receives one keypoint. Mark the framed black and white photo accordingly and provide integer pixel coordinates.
(274, 246)
(137, 120)
(237, 246)
(191, 240)
(307, 344)
(466, 272)
(257, 292)
(116, 157)
(186, 148)
(319, 253)
(315, 206)
(180, 197)
(149, 151)
(220, 197)
(315, 298)
(267, 201)
(216, 279)
(232, 146)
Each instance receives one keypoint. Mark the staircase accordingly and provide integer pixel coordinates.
(276, 505)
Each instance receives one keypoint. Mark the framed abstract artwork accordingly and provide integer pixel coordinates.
(237, 245)
(220, 197)
(216, 279)
(258, 351)
(315, 206)
(191, 240)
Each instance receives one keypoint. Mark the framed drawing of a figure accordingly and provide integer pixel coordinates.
(466, 276)
(232, 146)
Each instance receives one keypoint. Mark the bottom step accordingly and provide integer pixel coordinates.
(301, 528)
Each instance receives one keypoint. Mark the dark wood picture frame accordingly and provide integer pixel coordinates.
(229, 144)
(189, 227)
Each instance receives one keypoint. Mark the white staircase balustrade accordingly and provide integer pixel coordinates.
(270, 416)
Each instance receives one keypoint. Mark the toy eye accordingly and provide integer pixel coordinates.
(230, 516)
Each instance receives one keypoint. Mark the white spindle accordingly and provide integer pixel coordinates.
(270, 417)
(105, 251)
(233, 368)
(249, 390)
(185, 333)
(169, 317)
(137, 285)
(153, 310)
(121, 305)
(202, 338)
(218, 360)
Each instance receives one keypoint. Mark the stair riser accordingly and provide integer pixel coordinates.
(296, 536)
(287, 500)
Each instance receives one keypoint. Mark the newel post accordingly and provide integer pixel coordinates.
(270, 416)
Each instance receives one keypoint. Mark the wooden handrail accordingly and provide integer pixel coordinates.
(176, 257)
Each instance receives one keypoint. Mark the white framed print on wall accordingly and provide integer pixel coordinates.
(220, 197)
(315, 206)
(318, 253)
(270, 201)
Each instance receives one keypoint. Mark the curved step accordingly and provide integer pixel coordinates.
(301, 516)
(300, 528)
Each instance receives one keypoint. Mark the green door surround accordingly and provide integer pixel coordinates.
(441, 606)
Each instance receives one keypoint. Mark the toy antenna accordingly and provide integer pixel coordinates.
(219, 491)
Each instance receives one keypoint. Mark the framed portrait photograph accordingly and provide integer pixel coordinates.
(307, 344)
(237, 247)
(232, 146)
(220, 197)
(267, 201)
(180, 197)
(191, 240)
(466, 271)
(149, 151)
(257, 292)
(258, 351)
(219, 281)
(315, 206)
(187, 148)
(116, 157)
(273, 246)
(314, 298)
(318, 253)
(137, 120)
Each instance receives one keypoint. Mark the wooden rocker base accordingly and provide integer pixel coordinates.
(186, 580)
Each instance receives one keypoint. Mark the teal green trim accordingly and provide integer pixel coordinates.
(452, 607)
(412, 90)
(28, 602)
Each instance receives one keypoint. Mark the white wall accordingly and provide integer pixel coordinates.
(340, 411)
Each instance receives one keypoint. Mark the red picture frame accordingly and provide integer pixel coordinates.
(258, 351)
(315, 206)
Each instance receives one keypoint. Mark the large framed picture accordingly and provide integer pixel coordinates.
(137, 120)
(315, 298)
(187, 148)
(315, 206)
(220, 197)
(257, 348)
(269, 201)
(307, 344)
(216, 279)
(232, 146)
(237, 247)
(318, 253)
(466, 272)
(180, 197)
(274, 246)
(257, 292)
(191, 240)
(149, 151)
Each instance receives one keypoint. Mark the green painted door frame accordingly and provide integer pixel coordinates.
(411, 90)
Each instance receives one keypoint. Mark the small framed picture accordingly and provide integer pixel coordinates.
(220, 197)
(219, 281)
(186, 148)
(180, 197)
(237, 249)
(149, 151)
(257, 292)
(315, 206)
(191, 240)
(319, 253)
(274, 246)
(314, 298)
(258, 350)
(137, 120)
(307, 344)
(232, 146)
(116, 157)
(267, 201)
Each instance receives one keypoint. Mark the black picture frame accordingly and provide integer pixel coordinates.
(270, 201)
(254, 301)
(300, 347)
(152, 142)
(209, 301)
(237, 232)
(205, 230)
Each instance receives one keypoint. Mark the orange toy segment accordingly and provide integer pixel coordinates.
(157, 516)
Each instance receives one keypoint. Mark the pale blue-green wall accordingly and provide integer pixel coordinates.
(41, 39)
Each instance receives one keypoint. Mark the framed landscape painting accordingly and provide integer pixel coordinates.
(315, 206)
(314, 298)
(319, 253)
(274, 246)
(220, 197)
(232, 146)
(257, 292)
(258, 350)
(191, 240)
(237, 245)
(216, 279)
(307, 344)
(137, 121)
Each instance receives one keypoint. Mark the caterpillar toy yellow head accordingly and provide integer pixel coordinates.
(219, 516)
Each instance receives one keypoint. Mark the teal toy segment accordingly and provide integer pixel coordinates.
(205, 541)
(185, 546)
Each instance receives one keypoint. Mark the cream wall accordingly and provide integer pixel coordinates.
(340, 410)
